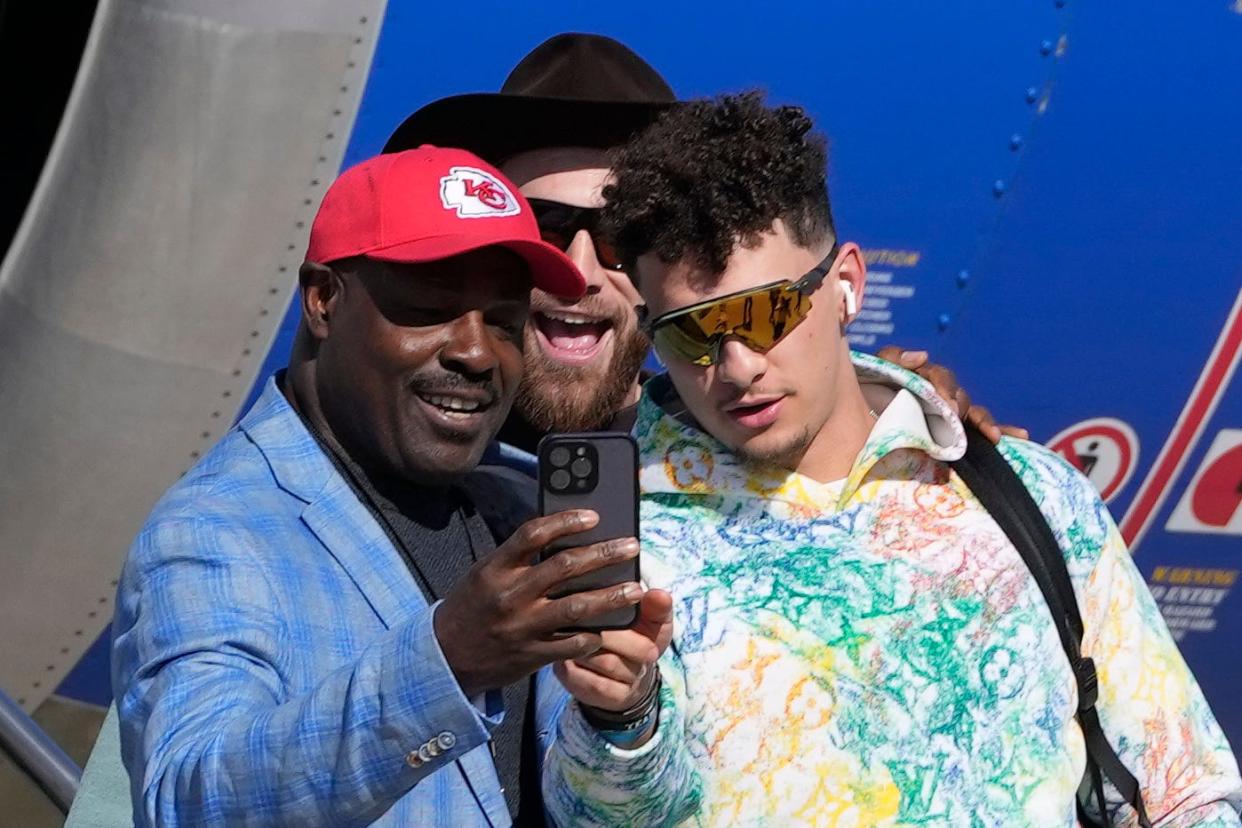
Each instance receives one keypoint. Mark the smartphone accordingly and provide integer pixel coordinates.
(597, 471)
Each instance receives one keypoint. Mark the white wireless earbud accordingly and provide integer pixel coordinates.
(851, 301)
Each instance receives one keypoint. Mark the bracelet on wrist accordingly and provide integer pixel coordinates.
(627, 739)
(633, 718)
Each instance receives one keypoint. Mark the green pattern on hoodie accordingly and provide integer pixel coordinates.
(874, 651)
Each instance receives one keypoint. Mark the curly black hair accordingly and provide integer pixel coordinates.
(712, 174)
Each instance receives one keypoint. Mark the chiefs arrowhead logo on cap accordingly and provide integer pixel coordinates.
(384, 208)
(476, 194)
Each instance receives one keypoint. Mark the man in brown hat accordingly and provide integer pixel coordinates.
(575, 97)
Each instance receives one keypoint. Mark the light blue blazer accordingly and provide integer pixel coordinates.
(274, 661)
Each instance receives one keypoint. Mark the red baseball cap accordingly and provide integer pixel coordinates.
(427, 204)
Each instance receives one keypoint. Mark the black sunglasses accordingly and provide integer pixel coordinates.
(559, 223)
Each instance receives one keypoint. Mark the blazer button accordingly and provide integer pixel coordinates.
(433, 747)
(446, 740)
(413, 759)
(424, 753)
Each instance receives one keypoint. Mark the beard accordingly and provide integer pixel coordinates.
(558, 397)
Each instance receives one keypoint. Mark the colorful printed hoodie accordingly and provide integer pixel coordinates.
(874, 651)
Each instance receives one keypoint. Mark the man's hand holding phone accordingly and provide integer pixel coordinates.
(621, 674)
(500, 625)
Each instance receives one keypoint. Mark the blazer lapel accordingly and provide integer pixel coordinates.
(352, 536)
(333, 512)
(356, 541)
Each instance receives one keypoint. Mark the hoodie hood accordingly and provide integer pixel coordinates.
(676, 457)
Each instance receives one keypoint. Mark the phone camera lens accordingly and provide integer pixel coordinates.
(559, 456)
(581, 467)
(559, 480)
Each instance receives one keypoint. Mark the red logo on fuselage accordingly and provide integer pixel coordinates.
(1213, 500)
(1104, 449)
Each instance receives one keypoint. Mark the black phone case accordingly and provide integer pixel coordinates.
(614, 498)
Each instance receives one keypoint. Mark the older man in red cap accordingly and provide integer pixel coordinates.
(327, 621)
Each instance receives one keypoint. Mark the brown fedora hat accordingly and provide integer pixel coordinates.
(580, 90)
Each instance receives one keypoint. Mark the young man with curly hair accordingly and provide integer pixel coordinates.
(857, 642)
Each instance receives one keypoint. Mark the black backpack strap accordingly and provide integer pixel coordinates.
(997, 486)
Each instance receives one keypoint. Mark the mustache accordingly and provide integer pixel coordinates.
(589, 305)
(447, 383)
